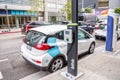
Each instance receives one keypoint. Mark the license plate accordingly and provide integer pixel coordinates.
(29, 48)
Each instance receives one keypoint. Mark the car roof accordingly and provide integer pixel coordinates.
(50, 29)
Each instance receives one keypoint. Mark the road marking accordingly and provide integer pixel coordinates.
(1, 77)
(3, 60)
(35, 76)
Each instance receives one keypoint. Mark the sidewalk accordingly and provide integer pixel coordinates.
(98, 66)
(14, 33)
(13, 30)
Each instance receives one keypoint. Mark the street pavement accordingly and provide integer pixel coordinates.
(12, 30)
(12, 65)
(101, 65)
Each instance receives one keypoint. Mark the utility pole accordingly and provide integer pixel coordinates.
(72, 56)
(7, 17)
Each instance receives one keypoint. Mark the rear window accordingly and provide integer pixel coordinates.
(34, 37)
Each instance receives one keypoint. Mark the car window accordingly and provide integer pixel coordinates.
(34, 37)
(82, 35)
(33, 23)
(60, 35)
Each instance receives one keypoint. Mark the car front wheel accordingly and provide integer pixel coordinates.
(58, 63)
(92, 48)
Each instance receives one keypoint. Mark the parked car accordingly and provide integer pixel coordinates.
(87, 17)
(32, 24)
(87, 27)
(101, 24)
(102, 33)
(46, 48)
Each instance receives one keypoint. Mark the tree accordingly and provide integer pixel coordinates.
(117, 10)
(36, 5)
(67, 10)
(88, 10)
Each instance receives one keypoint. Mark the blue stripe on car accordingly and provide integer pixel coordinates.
(54, 51)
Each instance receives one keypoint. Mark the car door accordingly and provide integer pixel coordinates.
(83, 41)
(119, 31)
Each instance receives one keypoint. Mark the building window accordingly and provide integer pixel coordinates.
(51, 5)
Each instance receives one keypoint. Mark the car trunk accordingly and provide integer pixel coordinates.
(31, 40)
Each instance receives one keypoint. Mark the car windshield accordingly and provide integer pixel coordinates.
(103, 26)
(34, 37)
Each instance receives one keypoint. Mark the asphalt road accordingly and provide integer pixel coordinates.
(12, 65)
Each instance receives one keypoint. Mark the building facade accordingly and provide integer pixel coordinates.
(87, 3)
(17, 12)
(53, 10)
(115, 5)
(103, 4)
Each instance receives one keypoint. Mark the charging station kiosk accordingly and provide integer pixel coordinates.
(71, 37)
(112, 28)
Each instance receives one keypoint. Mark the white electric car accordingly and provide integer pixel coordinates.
(102, 33)
(46, 48)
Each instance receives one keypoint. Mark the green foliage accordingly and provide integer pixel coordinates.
(117, 10)
(67, 9)
(88, 10)
(85, 10)
(36, 5)
(80, 11)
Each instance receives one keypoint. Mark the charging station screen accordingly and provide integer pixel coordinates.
(67, 32)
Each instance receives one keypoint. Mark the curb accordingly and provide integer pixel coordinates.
(9, 32)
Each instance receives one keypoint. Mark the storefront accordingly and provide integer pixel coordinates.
(16, 17)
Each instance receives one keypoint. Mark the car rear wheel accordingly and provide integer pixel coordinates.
(58, 63)
(92, 48)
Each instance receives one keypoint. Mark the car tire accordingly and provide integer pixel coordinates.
(91, 48)
(118, 37)
(96, 37)
(57, 64)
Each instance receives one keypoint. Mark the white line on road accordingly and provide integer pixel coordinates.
(1, 77)
(3, 60)
(35, 76)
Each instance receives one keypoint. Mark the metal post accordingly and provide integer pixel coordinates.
(74, 48)
(74, 11)
(72, 69)
(7, 17)
(82, 4)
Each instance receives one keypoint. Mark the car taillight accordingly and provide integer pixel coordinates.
(37, 61)
(97, 28)
(43, 46)
(27, 27)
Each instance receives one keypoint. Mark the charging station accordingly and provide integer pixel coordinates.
(112, 28)
(71, 37)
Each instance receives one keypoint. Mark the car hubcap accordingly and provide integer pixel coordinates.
(57, 65)
(92, 48)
